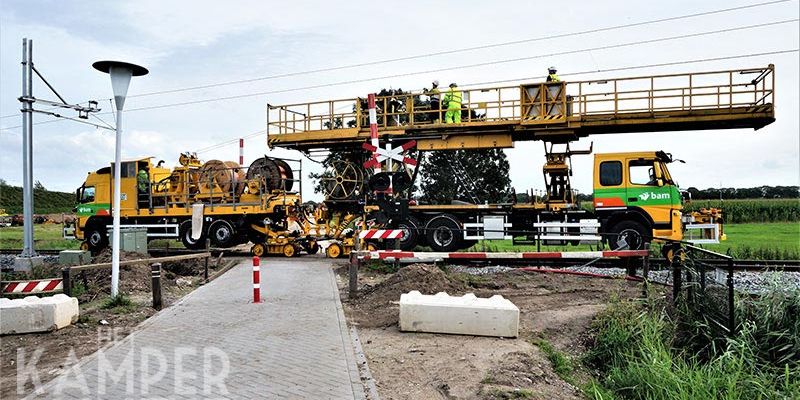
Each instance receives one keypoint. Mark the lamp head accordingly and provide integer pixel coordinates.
(121, 73)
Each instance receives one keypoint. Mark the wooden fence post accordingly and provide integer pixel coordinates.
(155, 273)
(646, 270)
(676, 276)
(66, 281)
(355, 263)
(208, 250)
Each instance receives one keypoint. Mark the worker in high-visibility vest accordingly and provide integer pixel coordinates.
(552, 76)
(143, 180)
(435, 96)
(453, 101)
(143, 186)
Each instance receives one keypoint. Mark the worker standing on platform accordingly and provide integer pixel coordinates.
(435, 97)
(453, 103)
(143, 186)
(552, 76)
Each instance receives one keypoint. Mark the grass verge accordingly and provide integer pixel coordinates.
(639, 354)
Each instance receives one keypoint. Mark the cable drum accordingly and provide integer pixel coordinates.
(276, 172)
(343, 180)
(226, 175)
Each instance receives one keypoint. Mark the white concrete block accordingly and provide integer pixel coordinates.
(35, 314)
(465, 315)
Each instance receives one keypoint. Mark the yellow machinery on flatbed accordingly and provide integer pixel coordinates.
(223, 202)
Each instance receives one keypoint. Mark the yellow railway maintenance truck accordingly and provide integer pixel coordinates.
(222, 201)
(635, 200)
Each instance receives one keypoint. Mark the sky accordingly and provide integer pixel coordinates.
(194, 43)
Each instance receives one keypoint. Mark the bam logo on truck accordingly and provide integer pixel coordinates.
(654, 196)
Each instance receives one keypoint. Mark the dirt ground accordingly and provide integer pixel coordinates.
(554, 307)
(52, 352)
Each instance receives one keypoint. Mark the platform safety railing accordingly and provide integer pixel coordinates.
(727, 91)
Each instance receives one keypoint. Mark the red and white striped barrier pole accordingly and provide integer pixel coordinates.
(241, 152)
(373, 128)
(256, 280)
(32, 287)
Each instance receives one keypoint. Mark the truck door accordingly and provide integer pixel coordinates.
(609, 185)
(647, 190)
(127, 186)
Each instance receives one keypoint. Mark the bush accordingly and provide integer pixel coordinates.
(637, 355)
(118, 303)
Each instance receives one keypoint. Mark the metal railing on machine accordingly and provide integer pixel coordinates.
(218, 183)
(727, 91)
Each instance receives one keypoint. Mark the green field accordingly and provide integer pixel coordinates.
(45, 236)
(48, 237)
(776, 240)
(751, 210)
(779, 240)
(767, 241)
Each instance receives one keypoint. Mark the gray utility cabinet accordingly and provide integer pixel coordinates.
(132, 240)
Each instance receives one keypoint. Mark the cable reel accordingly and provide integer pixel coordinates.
(344, 180)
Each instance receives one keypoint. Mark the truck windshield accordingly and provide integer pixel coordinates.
(87, 194)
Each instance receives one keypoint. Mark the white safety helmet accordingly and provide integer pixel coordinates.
(551, 69)
(435, 82)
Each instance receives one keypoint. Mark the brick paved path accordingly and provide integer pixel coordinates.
(217, 344)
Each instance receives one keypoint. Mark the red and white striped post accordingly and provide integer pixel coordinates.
(256, 280)
(373, 128)
(241, 151)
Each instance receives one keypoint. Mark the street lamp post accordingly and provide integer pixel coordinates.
(121, 73)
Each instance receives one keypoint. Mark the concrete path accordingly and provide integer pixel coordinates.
(217, 344)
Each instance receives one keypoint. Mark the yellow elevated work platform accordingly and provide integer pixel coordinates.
(555, 112)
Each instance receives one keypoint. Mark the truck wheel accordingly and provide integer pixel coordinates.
(444, 233)
(410, 228)
(222, 234)
(96, 239)
(631, 232)
(185, 230)
(334, 250)
(259, 249)
(290, 250)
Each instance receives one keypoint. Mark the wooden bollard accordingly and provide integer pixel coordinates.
(155, 274)
(208, 250)
(355, 264)
(66, 281)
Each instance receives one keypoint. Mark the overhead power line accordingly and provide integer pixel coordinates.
(455, 51)
(616, 69)
(461, 50)
(465, 66)
(232, 141)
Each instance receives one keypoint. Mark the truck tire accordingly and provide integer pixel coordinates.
(634, 234)
(411, 233)
(185, 232)
(444, 233)
(222, 234)
(96, 239)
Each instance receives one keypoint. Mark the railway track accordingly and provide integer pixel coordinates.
(740, 265)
